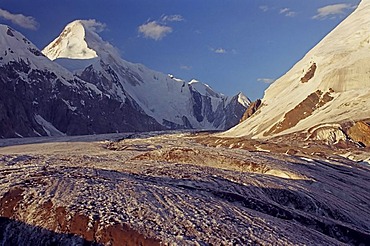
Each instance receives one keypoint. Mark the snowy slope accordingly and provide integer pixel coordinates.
(331, 84)
(174, 103)
(14, 47)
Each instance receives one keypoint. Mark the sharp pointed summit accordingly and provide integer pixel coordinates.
(71, 43)
(328, 89)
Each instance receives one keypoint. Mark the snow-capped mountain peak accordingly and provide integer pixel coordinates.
(12, 42)
(80, 41)
(71, 43)
(243, 100)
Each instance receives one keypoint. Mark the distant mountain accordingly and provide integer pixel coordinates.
(325, 93)
(39, 97)
(172, 102)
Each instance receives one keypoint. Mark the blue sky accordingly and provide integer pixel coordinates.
(232, 45)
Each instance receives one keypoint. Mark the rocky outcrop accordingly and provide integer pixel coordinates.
(330, 134)
(310, 73)
(360, 132)
(253, 107)
(301, 111)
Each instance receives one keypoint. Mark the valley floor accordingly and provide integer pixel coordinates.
(181, 189)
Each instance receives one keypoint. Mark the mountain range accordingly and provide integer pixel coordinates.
(79, 84)
(255, 184)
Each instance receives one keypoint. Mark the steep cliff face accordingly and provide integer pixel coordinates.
(331, 84)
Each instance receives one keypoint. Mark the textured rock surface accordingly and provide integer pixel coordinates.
(310, 73)
(360, 132)
(253, 107)
(303, 110)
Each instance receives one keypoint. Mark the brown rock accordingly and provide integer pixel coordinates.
(123, 235)
(79, 226)
(310, 73)
(9, 202)
(56, 220)
(301, 111)
(253, 107)
(360, 132)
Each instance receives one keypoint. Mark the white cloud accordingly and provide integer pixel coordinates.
(24, 21)
(159, 29)
(332, 11)
(287, 12)
(94, 25)
(220, 51)
(265, 80)
(284, 10)
(154, 30)
(264, 8)
(172, 18)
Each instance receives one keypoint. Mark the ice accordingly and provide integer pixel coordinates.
(183, 192)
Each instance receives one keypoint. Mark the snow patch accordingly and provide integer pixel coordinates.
(331, 133)
(70, 107)
(48, 127)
